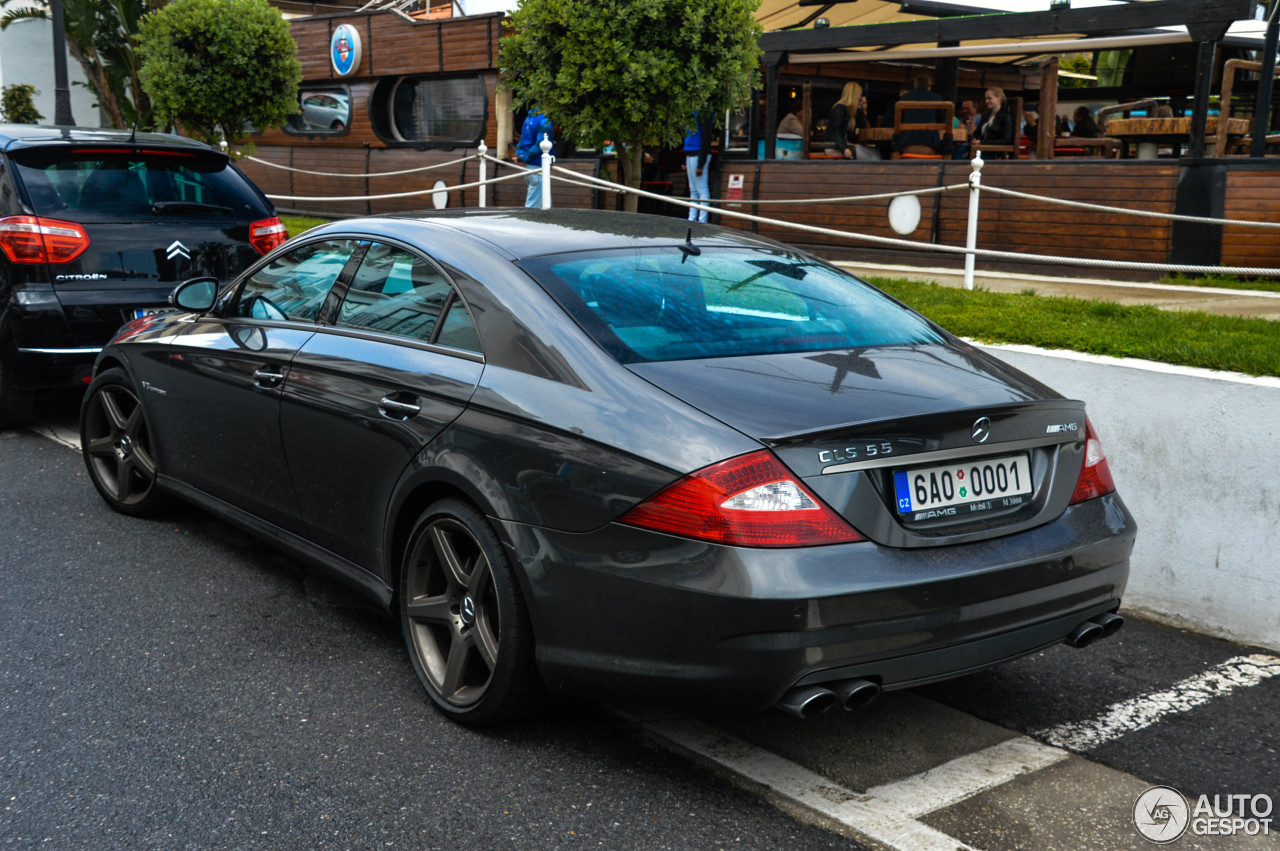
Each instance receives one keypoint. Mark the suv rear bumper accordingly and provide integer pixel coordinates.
(40, 368)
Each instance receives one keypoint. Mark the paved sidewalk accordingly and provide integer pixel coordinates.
(1255, 303)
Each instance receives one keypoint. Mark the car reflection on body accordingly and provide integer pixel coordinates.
(623, 456)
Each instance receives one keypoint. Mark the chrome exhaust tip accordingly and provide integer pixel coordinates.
(856, 694)
(807, 701)
(1085, 634)
(1110, 623)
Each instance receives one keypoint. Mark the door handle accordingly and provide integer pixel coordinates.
(267, 377)
(396, 410)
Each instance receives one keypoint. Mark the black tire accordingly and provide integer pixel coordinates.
(464, 620)
(15, 401)
(116, 444)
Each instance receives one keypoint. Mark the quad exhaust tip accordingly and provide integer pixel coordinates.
(811, 701)
(1099, 626)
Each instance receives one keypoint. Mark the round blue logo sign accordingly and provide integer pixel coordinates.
(344, 50)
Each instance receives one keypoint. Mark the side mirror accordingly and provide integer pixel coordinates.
(196, 295)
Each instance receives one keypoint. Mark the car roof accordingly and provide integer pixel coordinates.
(14, 136)
(521, 233)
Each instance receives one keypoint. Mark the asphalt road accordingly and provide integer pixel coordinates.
(174, 684)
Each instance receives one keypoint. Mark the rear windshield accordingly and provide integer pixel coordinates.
(88, 185)
(666, 304)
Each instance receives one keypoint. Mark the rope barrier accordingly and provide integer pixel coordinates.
(1173, 217)
(368, 174)
(953, 249)
(394, 194)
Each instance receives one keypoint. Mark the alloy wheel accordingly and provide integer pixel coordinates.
(452, 611)
(117, 445)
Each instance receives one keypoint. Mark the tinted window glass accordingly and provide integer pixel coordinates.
(661, 304)
(438, 109)
(458, 329)
(89, 186)
(294, 285)
(395, 292)
(321, 111)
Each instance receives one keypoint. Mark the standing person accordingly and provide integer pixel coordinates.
(920, 141)
(995, 126)
(697, 162)
(844, 121)
(529, 153)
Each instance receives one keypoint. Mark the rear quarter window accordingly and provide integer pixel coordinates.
(88, 185)
(670, 304)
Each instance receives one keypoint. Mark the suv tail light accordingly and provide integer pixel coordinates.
(749, 501)
(1095, 474)
(266, 234)
(32, 239)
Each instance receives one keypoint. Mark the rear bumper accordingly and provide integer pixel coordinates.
(621, 612)
(40, 367)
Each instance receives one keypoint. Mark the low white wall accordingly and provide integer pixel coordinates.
(1194, 455)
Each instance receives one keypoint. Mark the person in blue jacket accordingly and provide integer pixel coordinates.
(697, 157)
(529, 153)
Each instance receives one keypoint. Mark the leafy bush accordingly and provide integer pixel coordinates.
(218, 67)
(17, 104)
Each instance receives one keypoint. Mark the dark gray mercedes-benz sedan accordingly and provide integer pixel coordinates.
(622, 456)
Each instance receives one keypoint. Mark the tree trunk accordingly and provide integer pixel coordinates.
(630, 162)
(97, 76)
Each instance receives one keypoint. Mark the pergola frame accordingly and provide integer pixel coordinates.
(1207, 22)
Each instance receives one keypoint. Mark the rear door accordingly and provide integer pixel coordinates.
(221, 401)
(390, 369)
(154, 217)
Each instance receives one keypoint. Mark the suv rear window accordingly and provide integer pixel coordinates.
(88, 184)
(673, 304)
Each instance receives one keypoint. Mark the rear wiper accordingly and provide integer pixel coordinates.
(162, 207)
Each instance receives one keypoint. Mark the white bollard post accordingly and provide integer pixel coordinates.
(484, 170)
(545, 145)
(971, 242)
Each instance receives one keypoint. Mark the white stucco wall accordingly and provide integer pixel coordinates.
(1194, 455)
(26, 56)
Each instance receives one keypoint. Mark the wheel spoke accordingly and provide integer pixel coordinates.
(430, 610)
(112, 410)
(101, 447)
(454, 669)
(486, 643)
(478, 581)
(133, 425)
(455, 572)
(124, 466)
(144, 463)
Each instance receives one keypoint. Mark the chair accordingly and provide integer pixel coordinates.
(943, 128)
(1014, 105)
(1224, 144)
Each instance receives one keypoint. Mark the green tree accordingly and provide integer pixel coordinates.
(631, 71)
(100, 38)
(1075, 63)
(216, 67)
(17, 104)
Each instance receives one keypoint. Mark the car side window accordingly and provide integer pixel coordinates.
(294, 285)
(395, 292)
(458, 329)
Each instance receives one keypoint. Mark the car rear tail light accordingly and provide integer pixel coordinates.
(32, 239)
(267, 234)
(1095, 474)
(748, 501)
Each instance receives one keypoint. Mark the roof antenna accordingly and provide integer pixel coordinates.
(133, 134)
(688, 248)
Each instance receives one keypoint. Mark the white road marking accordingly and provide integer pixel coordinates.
(57, 434)
(1141, 712)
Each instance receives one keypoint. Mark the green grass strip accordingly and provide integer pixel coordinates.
(301, 224)
(1224, 282)
(1251, 346)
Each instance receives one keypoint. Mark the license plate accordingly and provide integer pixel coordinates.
(981, 485)
(139, 312)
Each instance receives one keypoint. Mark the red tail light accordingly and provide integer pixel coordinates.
(267, 234)
(748, 501)
(32, 239)
(1095, 474)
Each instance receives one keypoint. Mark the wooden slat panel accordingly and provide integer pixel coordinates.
(1255, 196)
